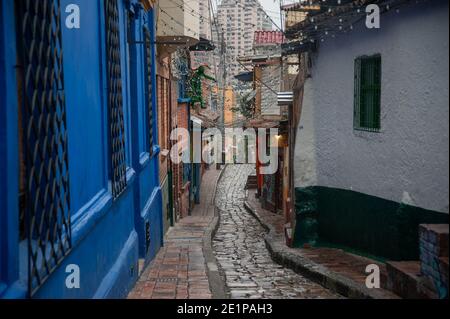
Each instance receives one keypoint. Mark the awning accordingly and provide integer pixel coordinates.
(203, 45)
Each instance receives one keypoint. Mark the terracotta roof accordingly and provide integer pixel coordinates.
(269, 37)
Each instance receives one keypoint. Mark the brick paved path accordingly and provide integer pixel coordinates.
(241, 253)
(179, 270)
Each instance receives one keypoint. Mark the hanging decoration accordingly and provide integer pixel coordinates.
(333, 17)
(196, 90)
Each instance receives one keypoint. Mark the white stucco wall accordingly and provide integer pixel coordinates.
(409, 159)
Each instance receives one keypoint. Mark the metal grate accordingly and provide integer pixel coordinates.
(46, 200)
(149, 82)
(115, 99)
(367, 93)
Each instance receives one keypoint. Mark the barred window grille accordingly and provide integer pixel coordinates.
(115, 99)
(149, 83)
(45, 198)
(367, 93)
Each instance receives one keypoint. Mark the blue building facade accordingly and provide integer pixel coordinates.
(79, 184)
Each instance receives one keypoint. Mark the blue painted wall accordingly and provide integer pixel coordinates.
(9, 184)
(108, 236)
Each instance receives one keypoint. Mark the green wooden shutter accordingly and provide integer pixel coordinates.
(367, 93)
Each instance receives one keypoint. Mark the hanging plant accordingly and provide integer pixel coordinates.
(195, 91)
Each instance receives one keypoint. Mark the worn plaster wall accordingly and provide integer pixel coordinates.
(408, 160)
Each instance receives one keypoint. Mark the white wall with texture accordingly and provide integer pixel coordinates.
(408, 161)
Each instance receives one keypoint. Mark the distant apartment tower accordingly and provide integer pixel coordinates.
(205, 19)
(238, 20)
(203, 57)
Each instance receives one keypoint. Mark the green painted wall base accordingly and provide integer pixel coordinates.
(359, 222)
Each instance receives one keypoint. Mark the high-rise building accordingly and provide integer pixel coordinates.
(205, 19)
(203, 57)
(237, 21)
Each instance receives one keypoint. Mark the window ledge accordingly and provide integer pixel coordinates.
(144, 159)
(85, 219)
(89, 215)
(377, 136)
(155, 150)
(368, 130)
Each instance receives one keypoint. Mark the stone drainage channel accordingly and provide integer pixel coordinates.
(244, 261)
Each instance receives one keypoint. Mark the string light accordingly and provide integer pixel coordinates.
(345, 15)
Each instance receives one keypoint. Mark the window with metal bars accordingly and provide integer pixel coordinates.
(115, 99)
(367, 103)
(148, 86)
(44, 175)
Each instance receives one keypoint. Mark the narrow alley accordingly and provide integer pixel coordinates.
(241, 252)
(224, 149)
(179, 271)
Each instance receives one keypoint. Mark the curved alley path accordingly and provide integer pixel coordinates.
(241, 252)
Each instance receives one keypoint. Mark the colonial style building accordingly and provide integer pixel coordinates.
(79, 183)
(183, 46)
(371, 160)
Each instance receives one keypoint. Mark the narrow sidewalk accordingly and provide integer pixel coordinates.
(335, 269)
(179, 269)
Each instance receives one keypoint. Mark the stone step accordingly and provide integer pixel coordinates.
(252, 182)
(405, 279)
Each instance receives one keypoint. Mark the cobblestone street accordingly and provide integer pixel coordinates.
(241, 252)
